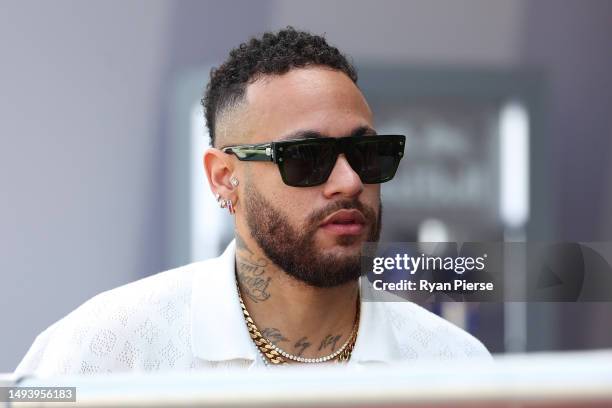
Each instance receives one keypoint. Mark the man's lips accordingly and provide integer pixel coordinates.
(344, 222)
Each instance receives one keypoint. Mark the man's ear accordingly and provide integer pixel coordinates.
(219, 168)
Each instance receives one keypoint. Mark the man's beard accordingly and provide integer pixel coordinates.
(294, 250)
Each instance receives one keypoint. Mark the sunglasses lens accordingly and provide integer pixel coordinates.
(376, 160)
(307, 164)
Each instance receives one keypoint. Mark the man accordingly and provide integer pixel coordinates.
(297, 161)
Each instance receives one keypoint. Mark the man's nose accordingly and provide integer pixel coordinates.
(343, 180)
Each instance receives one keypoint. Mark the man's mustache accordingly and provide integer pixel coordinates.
(316, 217)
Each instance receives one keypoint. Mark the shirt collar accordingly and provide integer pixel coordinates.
(218, 331)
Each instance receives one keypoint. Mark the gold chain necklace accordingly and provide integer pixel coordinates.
(274, 355)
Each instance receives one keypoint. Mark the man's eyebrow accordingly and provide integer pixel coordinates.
(363, 131)
(306, 134)
(302, 134)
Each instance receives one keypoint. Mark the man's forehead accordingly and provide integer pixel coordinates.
(305, 102)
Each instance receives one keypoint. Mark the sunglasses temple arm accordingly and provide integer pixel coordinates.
(251, 153)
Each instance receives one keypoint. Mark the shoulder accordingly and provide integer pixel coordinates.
(423, 333)
(118, 329)
(130, 304)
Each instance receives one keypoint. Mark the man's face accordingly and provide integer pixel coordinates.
(290, 223)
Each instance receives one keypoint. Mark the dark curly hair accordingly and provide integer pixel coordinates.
(274, 53)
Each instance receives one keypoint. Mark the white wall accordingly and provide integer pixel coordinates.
(78, 139)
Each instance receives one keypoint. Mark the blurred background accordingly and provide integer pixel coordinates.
(506, 106)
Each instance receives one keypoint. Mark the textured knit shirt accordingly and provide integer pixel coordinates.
(189, 318)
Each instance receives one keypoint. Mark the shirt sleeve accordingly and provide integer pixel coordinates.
(33, 358)
(75, 344)
(141, 326)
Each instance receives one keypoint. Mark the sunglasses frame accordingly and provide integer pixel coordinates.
(274, 151)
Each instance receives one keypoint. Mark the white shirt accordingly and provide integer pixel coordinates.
(189, 318)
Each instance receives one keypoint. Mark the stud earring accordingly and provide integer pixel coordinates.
(234, 181)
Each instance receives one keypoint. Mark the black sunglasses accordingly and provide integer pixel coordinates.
(309, 162)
